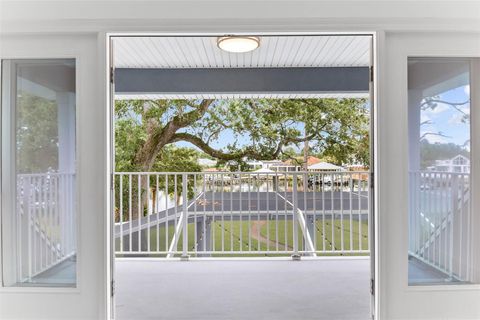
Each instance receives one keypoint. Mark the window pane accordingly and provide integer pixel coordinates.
(439, 171)
(43, 238)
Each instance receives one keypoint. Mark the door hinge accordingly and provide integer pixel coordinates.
(112, 74)
(112, 288)
(371, 73)
(372, 181)
(372, 287)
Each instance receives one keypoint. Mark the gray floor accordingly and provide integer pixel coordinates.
(243, 289)
(63, 274)
(420, 273)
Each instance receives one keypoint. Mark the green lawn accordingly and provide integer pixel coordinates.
(281, 231)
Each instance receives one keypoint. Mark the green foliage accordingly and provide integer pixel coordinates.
(275, 128)
(37, 134)
(176, 159)
(337, 128)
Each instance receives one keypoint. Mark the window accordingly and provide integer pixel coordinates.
(38, 165)
(440, 215)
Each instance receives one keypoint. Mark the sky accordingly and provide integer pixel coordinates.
(228, 137)
(445, 119)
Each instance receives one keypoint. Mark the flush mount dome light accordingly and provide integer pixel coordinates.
(238, 44)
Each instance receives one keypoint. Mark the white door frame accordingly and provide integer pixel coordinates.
(105, 39)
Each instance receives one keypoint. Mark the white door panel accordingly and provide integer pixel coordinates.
(82, 294)
(426, 297)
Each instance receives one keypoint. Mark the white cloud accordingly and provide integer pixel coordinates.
(424, 118)
(436, 139)
(465, 108)
(441, 107)
(456, 119)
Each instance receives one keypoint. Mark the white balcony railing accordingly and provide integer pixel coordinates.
(439, 220)
(46, 233)
(241, 213)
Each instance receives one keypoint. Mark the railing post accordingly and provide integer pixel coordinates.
(185, 217)
(295, 255)
(453, 220)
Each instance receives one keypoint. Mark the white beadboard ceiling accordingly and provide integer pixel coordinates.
(274, 52)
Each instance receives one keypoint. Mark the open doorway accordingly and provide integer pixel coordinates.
(241, 162)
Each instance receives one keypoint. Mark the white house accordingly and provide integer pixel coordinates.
(204, 162)
(459, 163)
(325, 166)
(269, 164)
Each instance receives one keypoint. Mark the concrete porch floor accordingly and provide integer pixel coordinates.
(333, 288)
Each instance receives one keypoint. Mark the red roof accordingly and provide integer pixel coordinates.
(299, 160)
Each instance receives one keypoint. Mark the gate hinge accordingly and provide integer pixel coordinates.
(371, 73)
(372, 287)
(112, 74)
(112, 287)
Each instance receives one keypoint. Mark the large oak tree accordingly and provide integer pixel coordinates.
(337, 128)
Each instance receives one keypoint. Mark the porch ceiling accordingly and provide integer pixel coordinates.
(274, 52)
(287, 67)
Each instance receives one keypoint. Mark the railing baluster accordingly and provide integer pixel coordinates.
(332, 204)
(468, 231)
(305, 209)
(176, 200)
(232, 180)
(157, 209)
(121, 210)
(139, 213)
(350, 190)
(314, 188)
(460, 223)
(322, 185)
(249, 215)
(447, 212)
(50, 220)
(204, 224)
(359, 187)
(241, 210)
(185, 215)
(213, 187)
(29, 227)
(195, 235)
(267, 216)
(277, 183)
(342, 233)
(285, 217)
(130, 221)
(258, 212)
(223, 211)
(148, 212)
(294, 217)
(167, 215)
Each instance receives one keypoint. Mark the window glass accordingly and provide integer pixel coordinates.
(439, 171)
(40, 104)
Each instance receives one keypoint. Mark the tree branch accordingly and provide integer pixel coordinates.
(248, 152)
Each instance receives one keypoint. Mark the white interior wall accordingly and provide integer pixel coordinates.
(77, 27)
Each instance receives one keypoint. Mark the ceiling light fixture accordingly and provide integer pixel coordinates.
(238, 44)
